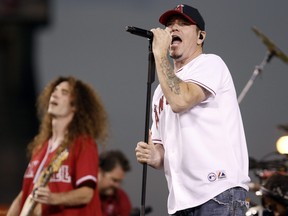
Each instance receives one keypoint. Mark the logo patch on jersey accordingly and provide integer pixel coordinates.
(218, 175)
(212, 177)
(222, 175)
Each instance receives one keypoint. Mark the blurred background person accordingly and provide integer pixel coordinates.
(113, 167)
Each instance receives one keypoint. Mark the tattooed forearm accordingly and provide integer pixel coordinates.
(172, 80)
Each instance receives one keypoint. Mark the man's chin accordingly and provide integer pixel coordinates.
(175, 56)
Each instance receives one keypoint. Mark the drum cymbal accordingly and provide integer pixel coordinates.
(283, 127)
(271, 46)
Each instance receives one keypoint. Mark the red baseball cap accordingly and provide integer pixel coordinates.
(190, 13)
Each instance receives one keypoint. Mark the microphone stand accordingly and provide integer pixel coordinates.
(258, 69)
(150, 80)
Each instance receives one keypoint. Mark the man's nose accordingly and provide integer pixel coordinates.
(54, 94)
(174, 27)
(116, 184)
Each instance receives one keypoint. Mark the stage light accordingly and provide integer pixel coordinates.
(282, 145)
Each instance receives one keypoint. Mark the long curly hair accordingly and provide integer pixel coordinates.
(90, 118)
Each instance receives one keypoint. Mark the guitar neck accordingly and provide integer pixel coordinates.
(46, 176)
(28, 206)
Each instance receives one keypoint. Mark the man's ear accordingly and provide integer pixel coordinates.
(201, 37)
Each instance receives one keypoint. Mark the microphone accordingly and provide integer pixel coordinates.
(140, 32)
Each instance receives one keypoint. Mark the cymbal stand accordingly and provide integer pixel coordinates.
(258, 69)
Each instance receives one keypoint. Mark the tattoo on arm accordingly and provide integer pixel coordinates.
(172, 80)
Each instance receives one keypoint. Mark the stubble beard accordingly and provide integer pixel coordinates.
(173, 54)
(175, 57)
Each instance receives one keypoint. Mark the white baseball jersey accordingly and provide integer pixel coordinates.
(205, 147)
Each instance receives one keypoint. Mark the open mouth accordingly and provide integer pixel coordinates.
(53, 103)
(176, 39)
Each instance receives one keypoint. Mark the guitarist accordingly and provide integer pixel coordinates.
(72, 117)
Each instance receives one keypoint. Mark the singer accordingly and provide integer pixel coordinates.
(197, 134)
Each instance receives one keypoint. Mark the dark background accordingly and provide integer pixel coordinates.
(40, 40)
